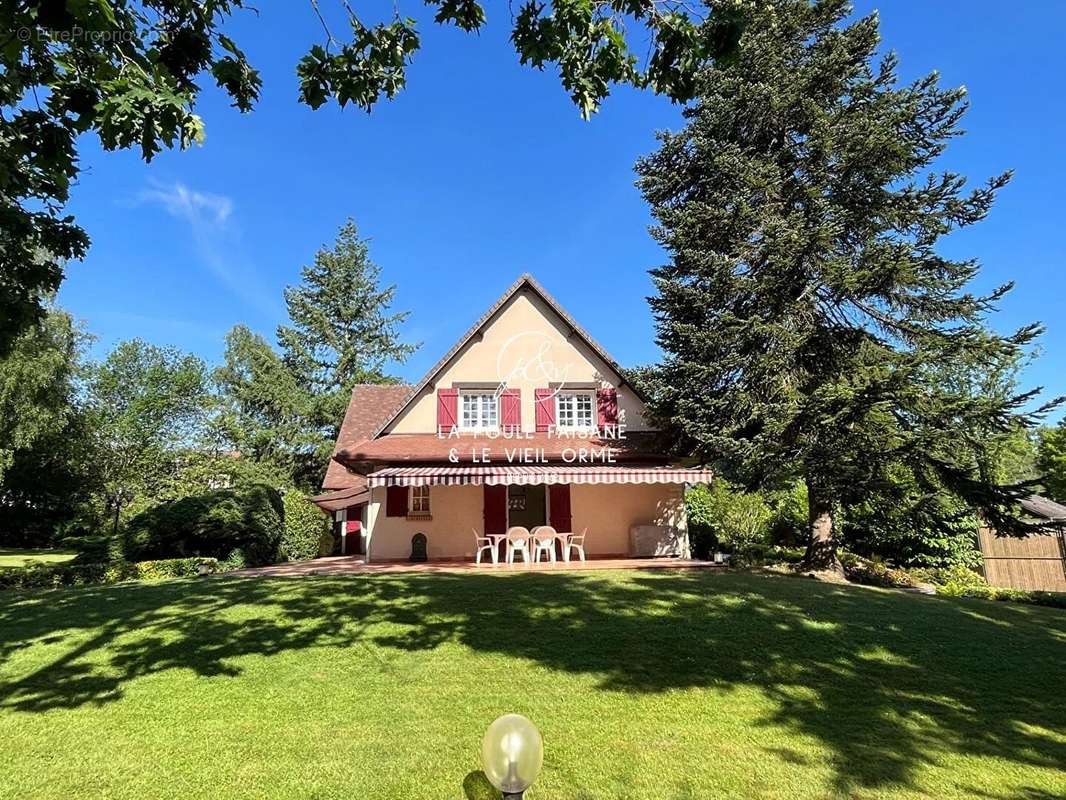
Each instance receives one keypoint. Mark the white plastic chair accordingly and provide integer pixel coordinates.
(481, 544)
(544, 542)
(577, 542)
(517, 542)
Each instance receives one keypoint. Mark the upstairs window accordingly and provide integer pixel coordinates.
(573, 410)
(479, 411)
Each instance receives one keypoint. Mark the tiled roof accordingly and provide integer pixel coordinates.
(398, 448)
(524, 280)
(370, 405)
(1044, 508)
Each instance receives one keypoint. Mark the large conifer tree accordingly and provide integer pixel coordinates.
(343, 330)
(806, 312)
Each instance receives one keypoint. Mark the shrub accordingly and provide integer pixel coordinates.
(876, 573)
(949, 582)
(1053, 599)
(172, 568)
(93, 549)
(986, 592)
(235, 560)
(249, 520)
(702, 540)
(305, 527)
(327, 544)
(55, 576)
(789, 525)
(728, 517)
(951, 579)
(912, 528)
(763, 555)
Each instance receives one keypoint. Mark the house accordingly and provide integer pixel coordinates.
(1034, 563)
(526, 421)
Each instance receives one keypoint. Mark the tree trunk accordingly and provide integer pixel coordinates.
(118, 508)
(821, 553)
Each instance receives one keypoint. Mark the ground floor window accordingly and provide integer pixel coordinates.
(419, 500)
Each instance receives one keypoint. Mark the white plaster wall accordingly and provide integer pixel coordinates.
(456, 511)
(609, 511)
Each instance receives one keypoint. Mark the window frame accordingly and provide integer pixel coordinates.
(574, 395)
(418, 496)
(482, 407)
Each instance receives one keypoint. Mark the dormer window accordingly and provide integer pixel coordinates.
(573, 410)
(479, 411)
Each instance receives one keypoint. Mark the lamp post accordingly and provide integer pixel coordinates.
(512, 753)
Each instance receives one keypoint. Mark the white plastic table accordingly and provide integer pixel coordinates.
(496, 539)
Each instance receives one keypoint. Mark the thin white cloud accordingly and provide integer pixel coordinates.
(196, 208)
(211, 223)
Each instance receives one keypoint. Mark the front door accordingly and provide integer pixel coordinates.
(525, 506)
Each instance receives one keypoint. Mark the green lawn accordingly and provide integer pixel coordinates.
(10, 557)
(645, 685)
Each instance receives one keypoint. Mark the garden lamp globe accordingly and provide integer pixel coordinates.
(512, 753)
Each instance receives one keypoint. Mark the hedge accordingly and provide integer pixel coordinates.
(248, 521)
(54, 576)
(171, 568)
(306, 532)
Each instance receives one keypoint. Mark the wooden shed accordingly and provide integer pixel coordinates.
(1035, 563)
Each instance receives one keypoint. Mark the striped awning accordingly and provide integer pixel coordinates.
(503, 475)
(341, 498)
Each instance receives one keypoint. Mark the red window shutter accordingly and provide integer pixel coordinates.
(447, 409)
(396, 501)
(495, 509)
(559, 500)
(544, 405)
(607, 402)
(511, 408)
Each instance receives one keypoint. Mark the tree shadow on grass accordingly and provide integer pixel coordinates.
(886, 682)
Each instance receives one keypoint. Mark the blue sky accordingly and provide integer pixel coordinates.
(482, 169)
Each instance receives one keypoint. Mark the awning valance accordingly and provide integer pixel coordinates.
(342, 498)
(503, 475)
